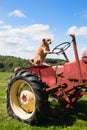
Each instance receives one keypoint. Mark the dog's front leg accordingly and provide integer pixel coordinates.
(47, 51)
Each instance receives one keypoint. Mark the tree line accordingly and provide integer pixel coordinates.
(8, 63)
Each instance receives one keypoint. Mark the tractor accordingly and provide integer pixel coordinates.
(29, 89)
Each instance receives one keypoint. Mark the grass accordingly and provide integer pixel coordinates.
(58, 119)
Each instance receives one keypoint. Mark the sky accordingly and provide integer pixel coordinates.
(24, 23)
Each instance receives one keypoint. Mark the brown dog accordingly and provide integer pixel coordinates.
(42, 51)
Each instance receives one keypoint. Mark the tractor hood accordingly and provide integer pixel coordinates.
(70, 70)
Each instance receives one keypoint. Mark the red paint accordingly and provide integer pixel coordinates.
(24, 98)
(67, 81)
(46, 73)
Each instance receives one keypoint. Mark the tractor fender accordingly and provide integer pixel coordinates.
(46, 74)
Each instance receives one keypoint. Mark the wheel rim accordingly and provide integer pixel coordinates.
(22, 99)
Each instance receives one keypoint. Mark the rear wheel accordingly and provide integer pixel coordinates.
(27, 99)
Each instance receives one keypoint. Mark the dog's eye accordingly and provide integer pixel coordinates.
(48, 40)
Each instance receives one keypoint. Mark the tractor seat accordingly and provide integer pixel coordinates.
(43, 64)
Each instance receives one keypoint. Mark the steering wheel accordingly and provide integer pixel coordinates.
(61, 47)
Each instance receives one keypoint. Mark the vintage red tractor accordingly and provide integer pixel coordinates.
(28, 89)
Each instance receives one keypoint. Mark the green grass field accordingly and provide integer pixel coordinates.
(58, 119)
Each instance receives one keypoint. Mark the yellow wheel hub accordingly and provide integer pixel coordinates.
(22, 99)
(26, 100)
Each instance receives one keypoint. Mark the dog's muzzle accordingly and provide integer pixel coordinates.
(49, 42)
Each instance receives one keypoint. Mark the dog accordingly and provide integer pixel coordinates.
(42, 51)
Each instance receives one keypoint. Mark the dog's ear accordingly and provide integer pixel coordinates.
(43, 40)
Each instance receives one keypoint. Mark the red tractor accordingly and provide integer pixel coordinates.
(28, 89)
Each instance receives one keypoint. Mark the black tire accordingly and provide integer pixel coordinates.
(27, 99)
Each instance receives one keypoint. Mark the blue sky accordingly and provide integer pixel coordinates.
(23, 24)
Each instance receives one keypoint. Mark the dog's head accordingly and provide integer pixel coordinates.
(47, 41)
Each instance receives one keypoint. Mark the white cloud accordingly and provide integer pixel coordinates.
(82, 31)
(38, 31)
(7, 26)
(17, 13)
(1, 22)
(22, 41)
(81, 42)
(84, 13)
